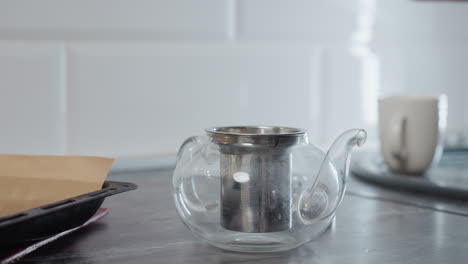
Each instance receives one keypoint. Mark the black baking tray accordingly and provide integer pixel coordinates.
(50, 219)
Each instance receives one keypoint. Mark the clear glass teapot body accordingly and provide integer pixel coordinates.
(260, 189)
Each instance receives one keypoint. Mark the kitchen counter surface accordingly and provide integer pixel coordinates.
(373, 225)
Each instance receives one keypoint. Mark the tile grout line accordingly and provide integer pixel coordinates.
(232, 20)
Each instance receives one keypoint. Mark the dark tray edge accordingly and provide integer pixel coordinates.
(109, 188)
(408, 183)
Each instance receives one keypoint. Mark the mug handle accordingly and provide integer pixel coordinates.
(398, 134)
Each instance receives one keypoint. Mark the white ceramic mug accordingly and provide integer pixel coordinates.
(411, 131)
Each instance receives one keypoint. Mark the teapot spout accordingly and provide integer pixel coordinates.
(339, 154)
(321, 200)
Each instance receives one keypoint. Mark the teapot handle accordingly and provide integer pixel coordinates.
(321, 199)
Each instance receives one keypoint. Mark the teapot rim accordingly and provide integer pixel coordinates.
(256, 130)
(256, 136)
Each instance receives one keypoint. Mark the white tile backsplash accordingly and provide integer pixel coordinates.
(420, 22)
(319, 21)
(167, 92)
(121, 77)
(113, 19)
(31, 109)
(342, 93)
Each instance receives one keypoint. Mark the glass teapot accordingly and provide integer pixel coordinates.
(259, 188)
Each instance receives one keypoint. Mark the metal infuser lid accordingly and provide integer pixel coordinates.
(261, 136)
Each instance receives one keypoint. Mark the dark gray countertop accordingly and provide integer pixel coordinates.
(373, 225)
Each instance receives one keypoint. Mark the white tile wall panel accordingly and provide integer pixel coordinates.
(32, 113)
(113, 19)
(420, 22)
(147, 98)
(316, 20)
(342, 96)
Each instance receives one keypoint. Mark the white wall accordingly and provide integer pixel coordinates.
(135, 77)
